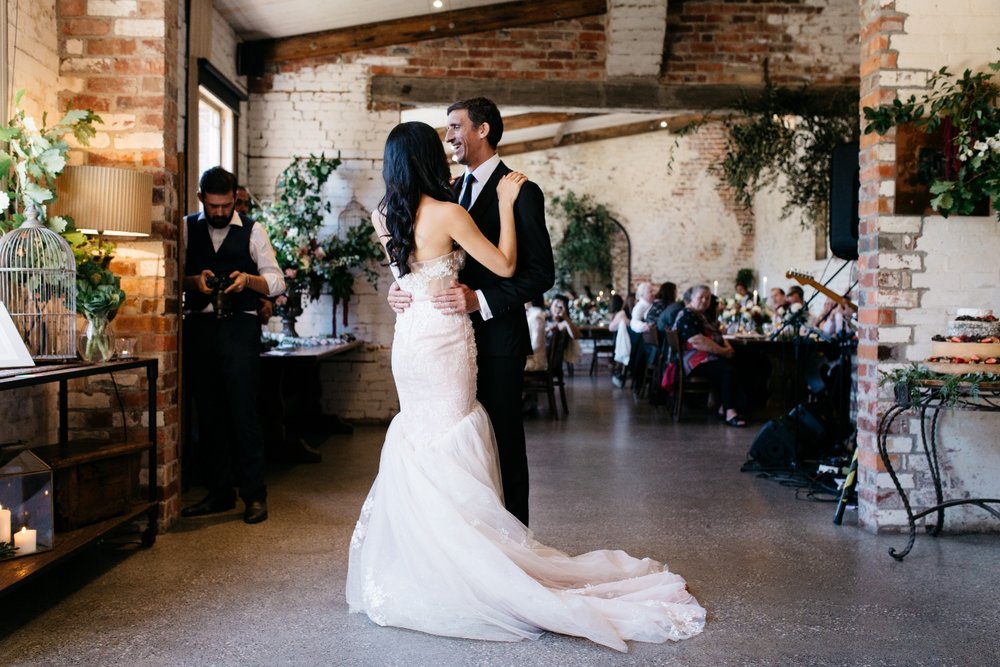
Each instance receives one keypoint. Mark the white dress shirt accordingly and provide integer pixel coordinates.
(483, 173)
(261, 252)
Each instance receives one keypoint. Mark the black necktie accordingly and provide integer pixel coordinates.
(466, 200)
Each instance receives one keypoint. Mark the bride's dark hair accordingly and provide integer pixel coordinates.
(414, 164)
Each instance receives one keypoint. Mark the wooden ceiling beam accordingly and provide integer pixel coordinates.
(532, 119)
(617, 95)
(652, 124)
(454, 23)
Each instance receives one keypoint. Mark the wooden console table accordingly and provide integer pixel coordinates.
(928, 402)
(66, 458)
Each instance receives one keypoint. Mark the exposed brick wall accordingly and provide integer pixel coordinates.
(916, 270)
(120, 59)
(565, 50)
(726, 41)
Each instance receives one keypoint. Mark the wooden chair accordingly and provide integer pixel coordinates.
(686, 385)
(552, 377)
(605, 347)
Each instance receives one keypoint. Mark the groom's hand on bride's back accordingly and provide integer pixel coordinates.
(456, 299)
(398, 300)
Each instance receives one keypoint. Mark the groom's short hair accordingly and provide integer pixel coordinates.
(482, 110)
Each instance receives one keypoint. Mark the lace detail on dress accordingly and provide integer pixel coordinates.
(361, 527)
(433, 353)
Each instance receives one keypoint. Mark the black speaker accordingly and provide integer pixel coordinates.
(774, 446)
(845, 181)
(250, 59)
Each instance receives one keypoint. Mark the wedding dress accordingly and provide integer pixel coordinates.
(434, 549)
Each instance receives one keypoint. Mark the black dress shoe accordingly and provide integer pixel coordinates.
(255, 512)
(210, 504)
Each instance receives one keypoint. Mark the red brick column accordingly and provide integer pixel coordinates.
(879, 293)
(123, 64)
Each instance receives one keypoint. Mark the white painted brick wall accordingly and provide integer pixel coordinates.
(34, 58)
(635, 31)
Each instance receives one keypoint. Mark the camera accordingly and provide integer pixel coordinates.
(221, 302)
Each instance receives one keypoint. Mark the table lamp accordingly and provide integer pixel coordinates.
(105, 200)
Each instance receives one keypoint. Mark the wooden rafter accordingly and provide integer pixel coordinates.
(427, 26)
(532, 119)
(631, 95)
(652, 124)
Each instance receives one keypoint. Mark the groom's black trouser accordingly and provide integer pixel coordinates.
(498, 388)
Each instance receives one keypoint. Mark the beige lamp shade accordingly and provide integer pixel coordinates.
(105, 200)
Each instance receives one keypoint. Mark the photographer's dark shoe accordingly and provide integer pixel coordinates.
(255, 512)
(210, 504)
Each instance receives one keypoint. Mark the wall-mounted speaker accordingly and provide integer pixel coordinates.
(845, 181)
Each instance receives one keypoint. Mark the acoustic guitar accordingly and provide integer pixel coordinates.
(808, 281)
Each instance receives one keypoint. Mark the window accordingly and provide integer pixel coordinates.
(216, 132)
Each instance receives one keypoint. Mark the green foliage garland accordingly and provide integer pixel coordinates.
(765, 142)
(965, 109)
(293, 221)
(952, 387)
(586, 241)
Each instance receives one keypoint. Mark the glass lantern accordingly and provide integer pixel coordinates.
(26, 525)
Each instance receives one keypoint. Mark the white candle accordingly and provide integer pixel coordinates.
(715, 287)
(25, 541)
(755, 297)
(764, 290)
(4, 525)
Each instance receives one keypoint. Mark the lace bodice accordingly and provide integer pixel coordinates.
(431, 275)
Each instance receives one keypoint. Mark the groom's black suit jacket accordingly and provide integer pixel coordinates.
(506, 333)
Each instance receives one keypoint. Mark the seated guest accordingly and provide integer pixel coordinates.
(644, 301)
(535, 313)
(796, 301)
(778, 299)
(665, 297)
(668, 317)
(623, 342)
(618, 313)
(558, 320)
(707, 354)
(743, 298)
(835, 320)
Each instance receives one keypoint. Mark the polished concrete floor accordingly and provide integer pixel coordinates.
(782, 584)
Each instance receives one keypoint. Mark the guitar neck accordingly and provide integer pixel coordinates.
(808, 281)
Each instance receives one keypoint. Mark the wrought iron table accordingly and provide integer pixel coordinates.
(927, 400)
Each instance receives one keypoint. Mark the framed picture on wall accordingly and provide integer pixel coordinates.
(920, 160)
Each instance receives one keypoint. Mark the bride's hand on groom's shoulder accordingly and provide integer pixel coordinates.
(509, 187)
(398, 300)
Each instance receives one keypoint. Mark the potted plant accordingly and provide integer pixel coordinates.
(585, 246)
(34, 158)
(312, 263)
(964, 109)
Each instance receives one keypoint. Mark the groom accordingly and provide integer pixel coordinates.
(496, 304)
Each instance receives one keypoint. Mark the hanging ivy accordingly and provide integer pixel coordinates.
(586, 242)
(790, 134)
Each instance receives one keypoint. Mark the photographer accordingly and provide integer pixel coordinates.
(229, 264)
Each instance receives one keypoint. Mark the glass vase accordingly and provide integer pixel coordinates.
(97, 344)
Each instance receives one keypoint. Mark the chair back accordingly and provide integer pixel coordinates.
(557, 352)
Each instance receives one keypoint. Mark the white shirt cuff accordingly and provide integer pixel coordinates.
(484, 308)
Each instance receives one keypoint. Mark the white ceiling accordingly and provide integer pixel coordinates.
(259, 19)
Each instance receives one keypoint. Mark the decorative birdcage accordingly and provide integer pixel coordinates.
(38, 287)
(354, 214)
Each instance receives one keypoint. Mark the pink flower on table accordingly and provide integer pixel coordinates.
(319, 253)
(291, 273)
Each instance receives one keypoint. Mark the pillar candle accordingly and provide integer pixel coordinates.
(764, 290)
(4, 525)
(25, 541)
(755, 297)
(715, 287)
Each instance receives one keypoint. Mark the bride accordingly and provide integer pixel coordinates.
(434, 549)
